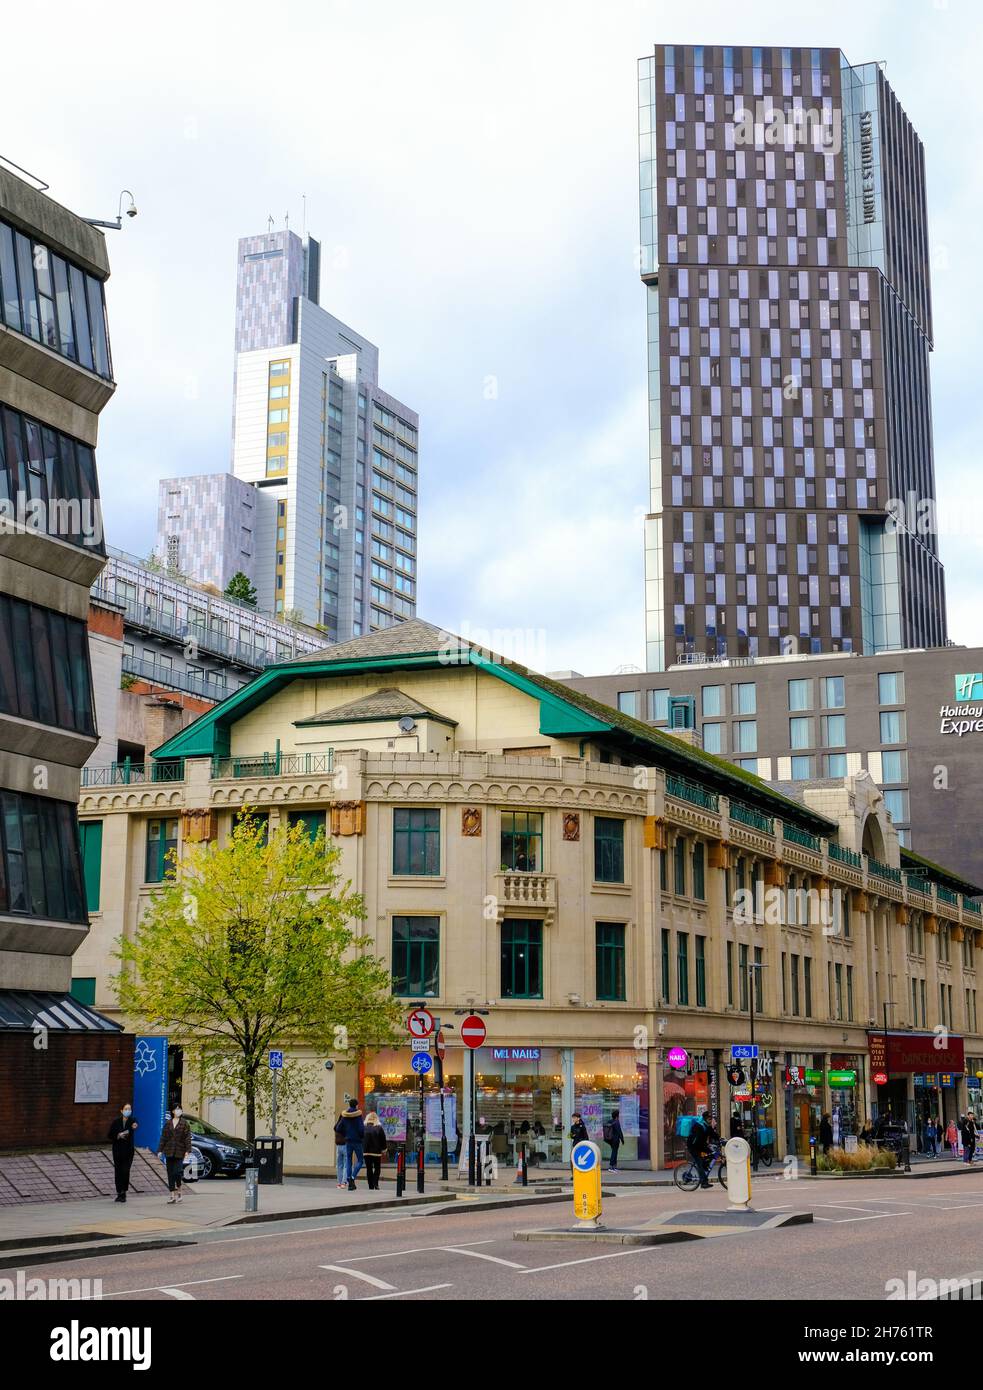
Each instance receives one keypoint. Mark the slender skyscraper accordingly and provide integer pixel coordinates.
(784, 251)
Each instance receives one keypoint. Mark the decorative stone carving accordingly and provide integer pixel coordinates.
(931, 924)
(348, 818)
(471, 821)
(655, 833)
(198, 826)
(718, 855)
(900, 915)
(571, 825)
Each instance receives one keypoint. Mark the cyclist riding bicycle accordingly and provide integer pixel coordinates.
(701, 1137)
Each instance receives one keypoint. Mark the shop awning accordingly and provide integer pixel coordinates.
(22, 1010)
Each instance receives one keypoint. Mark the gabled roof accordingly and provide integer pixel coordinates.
(563, 712)
(388, 703)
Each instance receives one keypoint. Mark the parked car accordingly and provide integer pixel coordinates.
(214, 1153)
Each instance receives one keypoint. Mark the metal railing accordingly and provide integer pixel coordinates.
(884, 871)
(844, 855)
(747, 815)
(685, 790)
(795, 836)
(971, 906)
(175, 678)
(918, 884)
(946, 896)
(274, 765)
(125, 773)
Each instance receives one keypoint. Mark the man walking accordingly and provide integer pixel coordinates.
(967, 1132)
(354, 1130)
(615, 1136)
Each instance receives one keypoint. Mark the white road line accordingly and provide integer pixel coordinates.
(308, 1231)
(404, 1293)
(179, 1293)
(419, 1250)
(845, 1206)
(166, 1288)
(591, 1259)
(846, 1220)
(480, 1255)
(356, 1274)
(785, 1206)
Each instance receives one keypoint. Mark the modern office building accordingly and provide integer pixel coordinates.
(64, 1067)
(511, 858)
(164, 650)
(331, 458)
(912, 719)
(784, 254)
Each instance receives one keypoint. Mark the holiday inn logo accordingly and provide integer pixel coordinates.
(970, 687)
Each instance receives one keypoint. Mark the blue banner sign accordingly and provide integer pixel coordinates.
(515, 1054)
(149, 1090)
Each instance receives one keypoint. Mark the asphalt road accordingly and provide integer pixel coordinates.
(864, 1233)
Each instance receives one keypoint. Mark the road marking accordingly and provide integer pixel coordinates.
(306, 1231)
(878, 1216)
(419, 1250)
(404, 1293)
(366, 1278)
(591, 1259)
(179, 1293)
(480, 1255)
(845, 1206)
(164, 1288)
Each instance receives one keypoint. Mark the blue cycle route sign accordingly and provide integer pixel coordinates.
(743, 1052)
(276, 1061)
(422, 1063)
(584, 1156)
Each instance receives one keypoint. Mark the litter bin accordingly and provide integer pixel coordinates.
(269, 1159)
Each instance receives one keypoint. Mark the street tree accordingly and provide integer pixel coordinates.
(253, 945)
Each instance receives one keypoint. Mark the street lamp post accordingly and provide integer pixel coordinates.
(752, 983)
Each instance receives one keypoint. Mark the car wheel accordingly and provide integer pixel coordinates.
(199, 1166)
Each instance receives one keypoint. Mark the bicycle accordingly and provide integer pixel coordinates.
(687, 1175)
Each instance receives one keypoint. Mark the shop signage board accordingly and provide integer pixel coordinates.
(946, 1079)
(907, 1053)
(880, 1078)
(803, 1076)
(973, 1082)
(842, 1079)
(516, 1054)
(677, 1058)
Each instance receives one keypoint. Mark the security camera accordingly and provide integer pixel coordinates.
(131, 211)
(329, 1066)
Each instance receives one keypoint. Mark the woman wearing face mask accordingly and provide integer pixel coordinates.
(174, 1148)
(121, 1138)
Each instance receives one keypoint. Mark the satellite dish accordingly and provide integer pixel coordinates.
(407, 724)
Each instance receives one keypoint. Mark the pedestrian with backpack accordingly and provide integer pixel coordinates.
(615, 1136)
(701, 1135)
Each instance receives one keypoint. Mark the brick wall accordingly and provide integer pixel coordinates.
(37, 1088)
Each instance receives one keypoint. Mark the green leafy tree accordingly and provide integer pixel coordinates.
(250, 946)
(239, 587)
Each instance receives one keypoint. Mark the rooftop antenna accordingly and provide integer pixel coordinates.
(286, 221)
(304, 201)
(269, 221)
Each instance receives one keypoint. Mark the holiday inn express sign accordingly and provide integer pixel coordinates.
(965, 717)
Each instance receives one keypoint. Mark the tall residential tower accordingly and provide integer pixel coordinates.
(330, 457)
(785, 259)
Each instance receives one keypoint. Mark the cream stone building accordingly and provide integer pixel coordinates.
(608, 896)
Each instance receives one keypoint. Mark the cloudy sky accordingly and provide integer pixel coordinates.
(470, 171)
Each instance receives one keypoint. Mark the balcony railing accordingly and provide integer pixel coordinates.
(275, 765)
(944, 895)
(126, 773)
(971, 906)
(529, 890)
(174, 678)
(844, 855)
(795, 836)
(883, 871)
(685, 790)
(918, 884)
(747, 815)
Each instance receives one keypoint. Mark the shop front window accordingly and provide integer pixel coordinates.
(519, 1100)
(605, 1081)
(392, 1089)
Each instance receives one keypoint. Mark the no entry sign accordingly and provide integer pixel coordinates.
(472, 1031)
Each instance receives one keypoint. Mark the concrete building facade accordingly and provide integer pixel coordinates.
(602, 890)
(55, 379)
(913, 720)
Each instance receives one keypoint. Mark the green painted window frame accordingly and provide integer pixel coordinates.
(609, 850)
(522, 959)
(84, 989)
(416, 842)
(730, 974)
(90, 845)
(666, 968)
(679, 867)
(682, 967)
(663, 871)
(700, 945)
(609, 954)
(416, 956)
(313, 822)
(522, 842)
(156, 868)
(699, 872)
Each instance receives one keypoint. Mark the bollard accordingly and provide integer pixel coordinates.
(252, 1188)
(420, 1156)
(471, 1164)
(813, 1165)
(400, 1170)
(523, 1165)
(906, 1155)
